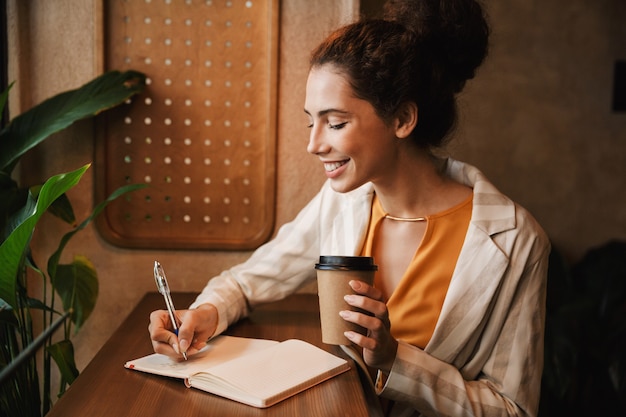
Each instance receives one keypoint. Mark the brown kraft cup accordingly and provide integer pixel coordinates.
(333, 275)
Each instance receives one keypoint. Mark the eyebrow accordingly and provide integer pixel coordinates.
(327, 111)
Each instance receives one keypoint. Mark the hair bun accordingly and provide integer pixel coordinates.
(453, 32)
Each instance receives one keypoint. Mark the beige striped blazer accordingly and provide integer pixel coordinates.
(485, 357)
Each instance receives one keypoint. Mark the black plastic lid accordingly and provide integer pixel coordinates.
(347, 263)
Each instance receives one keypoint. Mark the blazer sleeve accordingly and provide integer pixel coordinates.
(509, 381)
(274, 270)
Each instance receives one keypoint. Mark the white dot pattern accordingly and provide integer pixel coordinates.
(202, 133)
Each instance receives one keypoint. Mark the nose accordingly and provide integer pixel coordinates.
(317, 145)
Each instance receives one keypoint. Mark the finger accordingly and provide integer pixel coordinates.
(168, 347)
(159, 321)
(361, 340)
(375, 307)
(373, 324)
(191, 348)
(198, 344)
(163, 339)
(365, 289)
(185, 335)
(194, 330)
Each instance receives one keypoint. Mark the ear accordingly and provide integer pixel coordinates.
(406, 119)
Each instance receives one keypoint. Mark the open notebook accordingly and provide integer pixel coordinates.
(255, 372)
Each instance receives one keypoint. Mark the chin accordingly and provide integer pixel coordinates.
(343, 187)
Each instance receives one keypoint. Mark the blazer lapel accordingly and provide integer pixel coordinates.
(473, 287)
(479, 270)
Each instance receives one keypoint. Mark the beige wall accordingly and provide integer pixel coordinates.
(537, 120)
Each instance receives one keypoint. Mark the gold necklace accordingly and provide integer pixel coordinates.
(405, 219)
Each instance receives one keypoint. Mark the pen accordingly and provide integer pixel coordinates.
(164, 288)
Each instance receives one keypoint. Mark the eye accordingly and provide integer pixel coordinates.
(337, 126)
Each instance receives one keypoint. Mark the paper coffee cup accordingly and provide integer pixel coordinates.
(333, 275)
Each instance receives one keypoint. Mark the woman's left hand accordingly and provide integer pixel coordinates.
(379, 347)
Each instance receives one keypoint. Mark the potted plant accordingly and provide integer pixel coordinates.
(74, 284)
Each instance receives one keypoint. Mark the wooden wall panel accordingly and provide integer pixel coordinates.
(202, 135)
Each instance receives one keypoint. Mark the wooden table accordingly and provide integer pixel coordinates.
(106, 388)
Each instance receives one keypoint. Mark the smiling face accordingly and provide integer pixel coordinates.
(354, 144)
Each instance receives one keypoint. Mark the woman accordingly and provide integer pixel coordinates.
(457, 308)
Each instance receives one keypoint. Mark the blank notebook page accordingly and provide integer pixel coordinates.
(286, 367)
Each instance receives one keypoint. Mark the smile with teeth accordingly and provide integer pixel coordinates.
(331, 166)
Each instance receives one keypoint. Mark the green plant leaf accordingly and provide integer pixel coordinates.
(56, 113)
(77, 285)
(12, 198)
(6, 315)
(53, 261)
(15, 246)
(4, 97)
(40, 305)
(61, 207)
(63, 355)
(20, 210)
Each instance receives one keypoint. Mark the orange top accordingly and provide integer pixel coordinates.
(416, 303)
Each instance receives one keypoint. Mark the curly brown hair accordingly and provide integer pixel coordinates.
(421, 51)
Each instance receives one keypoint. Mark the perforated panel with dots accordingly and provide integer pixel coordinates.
(202, 135)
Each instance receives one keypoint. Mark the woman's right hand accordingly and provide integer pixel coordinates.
(198, 325)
